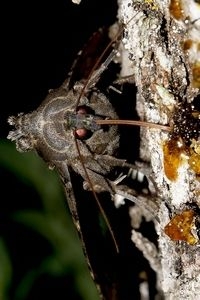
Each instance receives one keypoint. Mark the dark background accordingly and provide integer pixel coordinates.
(39, 42)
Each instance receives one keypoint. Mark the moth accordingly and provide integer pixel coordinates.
(65, 132)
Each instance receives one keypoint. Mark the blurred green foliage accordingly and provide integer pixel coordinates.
(51, 223)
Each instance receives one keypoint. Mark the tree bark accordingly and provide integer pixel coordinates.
(155, 39)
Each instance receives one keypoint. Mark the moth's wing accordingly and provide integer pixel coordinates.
(87, 58)
(115, 274)
(85, 214)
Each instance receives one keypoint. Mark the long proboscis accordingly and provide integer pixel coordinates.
(133, 123)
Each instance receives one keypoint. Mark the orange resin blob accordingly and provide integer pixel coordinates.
(176, 9)
(194, 162)
(196, 75)
(187, 44)
(180, 226)
(194, 159)
(172, 150)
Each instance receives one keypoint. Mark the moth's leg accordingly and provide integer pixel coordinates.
(97, 169)
(125, 79)
(148, 204)
(117, 162)
(97, 74)
(137, 170)
(96, 182)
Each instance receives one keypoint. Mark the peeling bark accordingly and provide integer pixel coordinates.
(164, 76)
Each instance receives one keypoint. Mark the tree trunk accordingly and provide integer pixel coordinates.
(162, 43)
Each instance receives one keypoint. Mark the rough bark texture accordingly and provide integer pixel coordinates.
(164, 75)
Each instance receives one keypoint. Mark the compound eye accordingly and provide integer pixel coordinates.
(83, 133)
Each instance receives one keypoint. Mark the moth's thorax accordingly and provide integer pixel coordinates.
(50, 129)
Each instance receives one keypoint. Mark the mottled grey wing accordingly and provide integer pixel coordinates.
(115, 274)
(97, 244)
